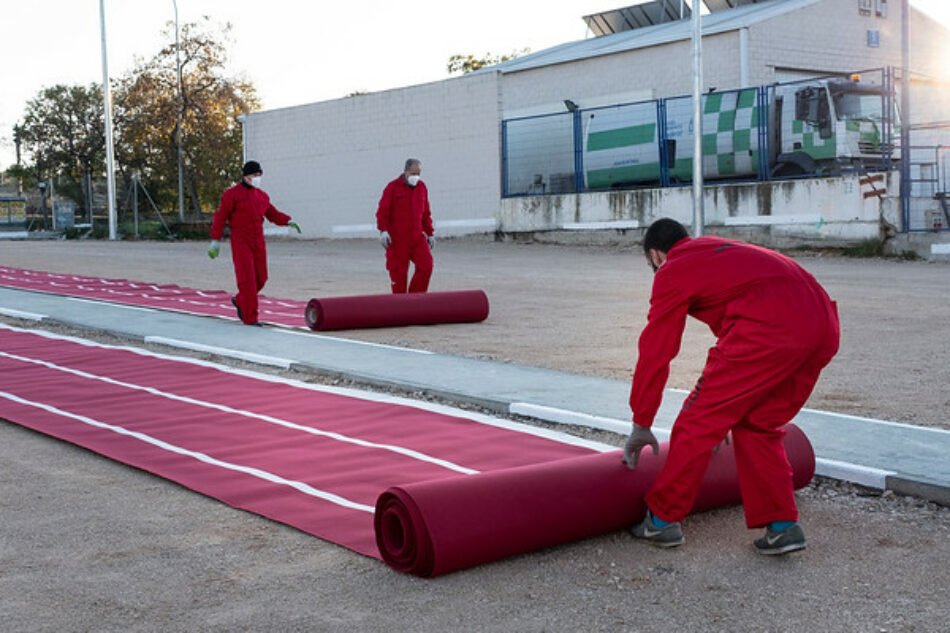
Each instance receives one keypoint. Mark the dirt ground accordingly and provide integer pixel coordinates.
(87, 544)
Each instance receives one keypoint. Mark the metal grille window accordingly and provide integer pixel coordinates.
(865, 7)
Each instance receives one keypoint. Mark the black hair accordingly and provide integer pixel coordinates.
(663, 234)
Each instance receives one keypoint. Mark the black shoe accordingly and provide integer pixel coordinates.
(237, 307)
(669, 536)
(788, 540)
(255, 324)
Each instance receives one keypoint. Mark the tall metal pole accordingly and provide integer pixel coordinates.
(181, 195)
(107, 107)
(905, 115)
(698, 212)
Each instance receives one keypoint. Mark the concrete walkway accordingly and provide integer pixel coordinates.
(875, 453)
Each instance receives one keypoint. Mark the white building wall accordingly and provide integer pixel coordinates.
(326, 163)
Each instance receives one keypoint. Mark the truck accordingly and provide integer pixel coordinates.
(820, 126)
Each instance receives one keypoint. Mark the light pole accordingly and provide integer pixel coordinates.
(181, 195)
(698, 211)
(107, 107)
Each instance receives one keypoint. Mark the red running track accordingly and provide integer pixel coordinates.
(163, 296)
(312, 457)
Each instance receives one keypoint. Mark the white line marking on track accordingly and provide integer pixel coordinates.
(337, 339)
(112, 303)
(256, 472)
(371, 396)
(408, 452)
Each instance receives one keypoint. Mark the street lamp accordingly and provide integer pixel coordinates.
(181, 195)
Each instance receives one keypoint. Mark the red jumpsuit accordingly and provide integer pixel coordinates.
(776, 328)
(404, 213)
(244, 208)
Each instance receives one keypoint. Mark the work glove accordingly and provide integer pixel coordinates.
(294, 225)
(214, 249)
(640, 436)
(384, 239)
(430, 240)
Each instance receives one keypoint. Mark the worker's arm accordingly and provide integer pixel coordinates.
(658, 345)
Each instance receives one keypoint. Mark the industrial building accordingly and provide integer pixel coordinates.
(633, 54)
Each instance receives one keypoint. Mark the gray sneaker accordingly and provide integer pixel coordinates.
(669, 536)
(773, 543)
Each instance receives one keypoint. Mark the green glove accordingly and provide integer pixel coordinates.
(214, 249)
(640, 436)
(294, 225)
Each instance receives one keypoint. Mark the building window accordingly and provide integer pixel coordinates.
(864, 7)
(874, 38)
(881, 8)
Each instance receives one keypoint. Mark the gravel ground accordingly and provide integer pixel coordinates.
(88, 544)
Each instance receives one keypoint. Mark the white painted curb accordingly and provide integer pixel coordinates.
(250, 357)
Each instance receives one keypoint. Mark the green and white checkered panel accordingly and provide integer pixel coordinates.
(798, 135)
(730, 134)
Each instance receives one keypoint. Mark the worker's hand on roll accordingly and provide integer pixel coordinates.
(214, 249)
(430, 240)
(294, 225)
(384, 239)
(640, 436)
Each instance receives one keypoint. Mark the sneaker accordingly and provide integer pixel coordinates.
(237, 307)
(255, 324)
(773, 543)
(669, 536)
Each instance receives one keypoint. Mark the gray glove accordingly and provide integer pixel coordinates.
(384, 239)
(430, 240)
(640, 436)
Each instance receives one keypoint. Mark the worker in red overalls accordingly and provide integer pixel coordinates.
(404, 220)
(776, 329)
(244, 207)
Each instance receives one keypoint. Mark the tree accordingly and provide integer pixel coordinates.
(146, 104)
(63, 135)
(467, 63)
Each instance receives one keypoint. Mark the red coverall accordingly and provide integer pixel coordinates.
(776, 328)
(244, 208)
(404, 213)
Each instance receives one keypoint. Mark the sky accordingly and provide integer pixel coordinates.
(294, 51)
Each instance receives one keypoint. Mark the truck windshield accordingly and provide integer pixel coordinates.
(857, 106)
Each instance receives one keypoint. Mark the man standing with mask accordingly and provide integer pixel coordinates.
(244, 207)
(405, 228)
(776, 329)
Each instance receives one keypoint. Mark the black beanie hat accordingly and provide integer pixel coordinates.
(252, 167)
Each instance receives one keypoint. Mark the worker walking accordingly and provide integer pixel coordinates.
(404, 220)
(244, 207)
(776, 329)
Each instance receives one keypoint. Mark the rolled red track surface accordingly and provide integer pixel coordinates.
(389, 310)
(435, 527)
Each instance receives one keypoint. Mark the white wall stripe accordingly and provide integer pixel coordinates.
(351, 392)
(261, 474)
(248, 414)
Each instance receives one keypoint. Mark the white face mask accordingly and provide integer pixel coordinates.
(256, 181)
(412, 180)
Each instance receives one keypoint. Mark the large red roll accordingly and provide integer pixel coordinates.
(439, 526)
(416, 308)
